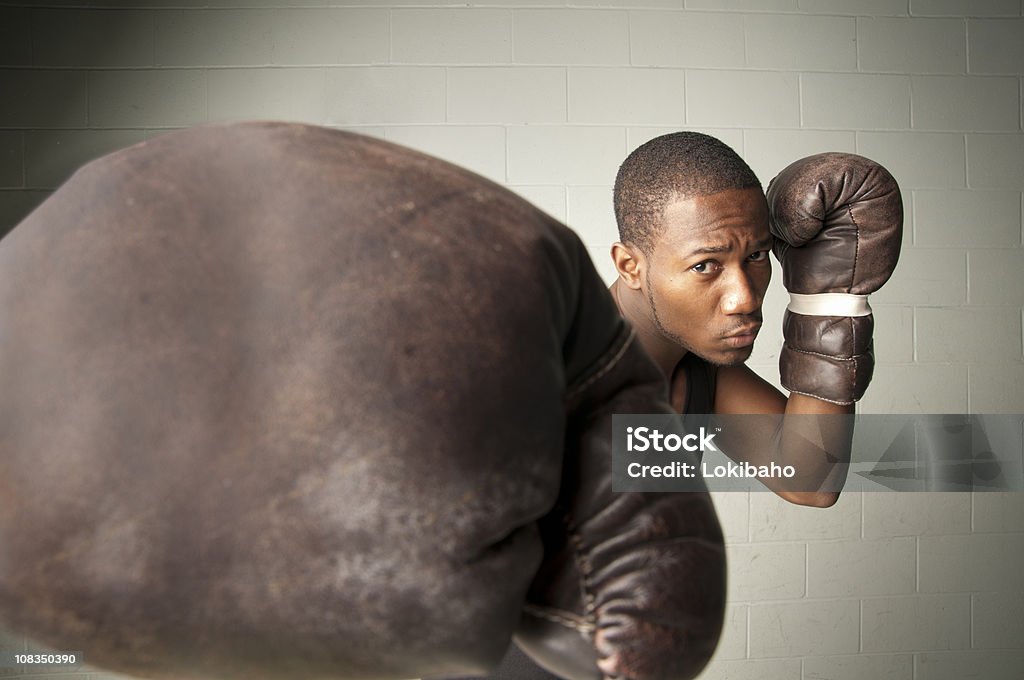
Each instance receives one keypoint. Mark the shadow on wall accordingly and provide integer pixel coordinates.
(50, 123)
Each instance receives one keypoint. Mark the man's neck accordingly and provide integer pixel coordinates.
(636, 310)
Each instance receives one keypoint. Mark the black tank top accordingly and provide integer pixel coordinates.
(700, 384)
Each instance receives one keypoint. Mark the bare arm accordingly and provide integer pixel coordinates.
(818, 448)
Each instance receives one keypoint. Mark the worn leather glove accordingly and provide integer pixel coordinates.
(837, 219)
(286, 402)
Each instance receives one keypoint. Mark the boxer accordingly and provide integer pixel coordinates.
(693, 263)
(695, 235)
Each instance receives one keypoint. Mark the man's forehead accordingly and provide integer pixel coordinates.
(717, 220)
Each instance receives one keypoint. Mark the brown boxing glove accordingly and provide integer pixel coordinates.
(837, 219)
(282, 402)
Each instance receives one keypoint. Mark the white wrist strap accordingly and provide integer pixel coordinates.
(829, 304)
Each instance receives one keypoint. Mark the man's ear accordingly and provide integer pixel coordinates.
(629, 263)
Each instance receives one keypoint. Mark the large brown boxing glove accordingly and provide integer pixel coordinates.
(286, 402)
(837, 219)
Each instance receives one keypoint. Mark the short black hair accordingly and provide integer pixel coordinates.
(675, 166)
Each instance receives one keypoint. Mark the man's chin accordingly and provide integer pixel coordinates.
(727, 357)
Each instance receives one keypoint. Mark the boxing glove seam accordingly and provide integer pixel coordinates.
(856, 245)
(564, 618)
(586, 571)
(831, 401)
(617, 349)
(853, 333)
(852, 357)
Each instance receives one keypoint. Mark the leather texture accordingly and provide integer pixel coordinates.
(637, 577)
(837, 219)
(288, 402)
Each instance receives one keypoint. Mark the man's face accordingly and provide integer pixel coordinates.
(708, 273)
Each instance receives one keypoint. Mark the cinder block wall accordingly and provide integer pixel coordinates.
(547, 97)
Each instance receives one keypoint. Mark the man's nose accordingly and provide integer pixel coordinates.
(741, 296)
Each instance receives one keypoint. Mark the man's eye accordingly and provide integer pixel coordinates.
(705, 267)
(759, 256)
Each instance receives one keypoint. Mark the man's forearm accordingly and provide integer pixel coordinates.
(810, 435)
(815, 438)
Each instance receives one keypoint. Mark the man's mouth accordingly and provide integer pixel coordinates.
(742, 337)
